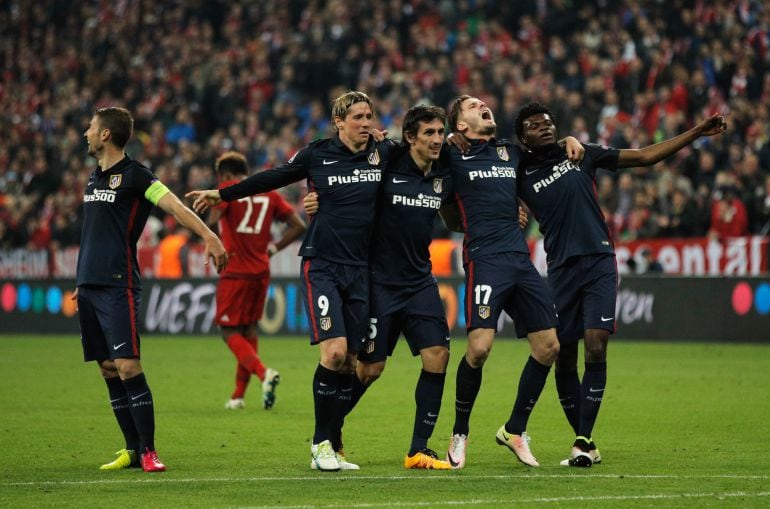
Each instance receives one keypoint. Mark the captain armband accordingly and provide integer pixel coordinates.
(156, 191)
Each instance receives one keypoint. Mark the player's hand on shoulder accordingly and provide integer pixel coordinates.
(378, 135)
(575, 149)
(311, 203)
(715, 124)
(204, 199)
(459, 141)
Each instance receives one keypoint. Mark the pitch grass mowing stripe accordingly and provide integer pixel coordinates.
(431, 477)
(539, 500)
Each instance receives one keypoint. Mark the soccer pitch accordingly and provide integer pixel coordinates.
(682, 425)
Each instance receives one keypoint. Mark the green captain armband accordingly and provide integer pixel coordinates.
(156, 191)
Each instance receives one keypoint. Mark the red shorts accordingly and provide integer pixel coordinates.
(241, 301)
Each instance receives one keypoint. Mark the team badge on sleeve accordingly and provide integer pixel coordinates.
(484, 312)
(437, 185)
(374, 158)
(326, 323)
(502, 153)
(115, 181)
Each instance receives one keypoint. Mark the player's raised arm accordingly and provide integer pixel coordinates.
(184, 216)
(715, 124)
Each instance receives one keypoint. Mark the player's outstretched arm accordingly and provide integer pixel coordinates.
(715, 124)
(204, 199)
(187, 218)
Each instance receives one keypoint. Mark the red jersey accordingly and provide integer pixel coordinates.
(245, 230)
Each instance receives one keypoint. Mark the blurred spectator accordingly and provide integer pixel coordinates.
(172, 251)
(728, 214)
(254, 76)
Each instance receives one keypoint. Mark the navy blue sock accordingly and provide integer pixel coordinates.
(531, 384)
(467, 388)
(142, 410)
(357, 389)
(341, 408)
(325, 383)
(594, 382)
(568, 388)
(427, 396)
(119, 403)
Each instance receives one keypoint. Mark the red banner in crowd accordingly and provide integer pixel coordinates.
(739, 256)
(699, 256)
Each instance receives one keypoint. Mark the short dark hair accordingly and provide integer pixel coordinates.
(120, 123)
(454, 111)
(421, 113)
(533, 108)
(232, 162)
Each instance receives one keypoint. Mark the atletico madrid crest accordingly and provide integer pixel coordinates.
(326, 322)
(484, 312)
(369, 346)
(502, 153)
(374, 158)
(437, 185)
(115, 181)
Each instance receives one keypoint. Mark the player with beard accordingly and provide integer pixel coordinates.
(499, 275)
(117, 201)
(582, 270)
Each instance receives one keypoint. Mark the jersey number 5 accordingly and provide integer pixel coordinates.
(263, 202)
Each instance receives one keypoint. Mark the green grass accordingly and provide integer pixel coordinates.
(682, 425)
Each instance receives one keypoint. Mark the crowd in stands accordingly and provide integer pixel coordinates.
(206, 76)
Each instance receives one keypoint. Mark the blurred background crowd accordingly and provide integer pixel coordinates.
(205, 76)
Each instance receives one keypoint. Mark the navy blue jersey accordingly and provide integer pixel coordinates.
(115, 210)
(347, 186)
(485, 186)
(408, 203)
(563, 199)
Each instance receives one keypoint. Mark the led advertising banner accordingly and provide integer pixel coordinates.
(648, 308)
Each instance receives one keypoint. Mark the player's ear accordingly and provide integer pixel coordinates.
(461, 126)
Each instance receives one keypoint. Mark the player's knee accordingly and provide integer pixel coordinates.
(596, 346)
(368, 373)
(108, 369)
(546, 349)
(435, 359)
(333, 359)
(128, 368)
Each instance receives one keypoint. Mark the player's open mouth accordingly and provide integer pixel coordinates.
(486, 115)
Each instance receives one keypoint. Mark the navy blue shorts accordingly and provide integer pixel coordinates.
(336, 300)
(418, 314)
(509, 282)
(109, 326)
(585, 288)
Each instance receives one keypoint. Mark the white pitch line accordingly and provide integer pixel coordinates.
(161, 479)
(538, 500)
